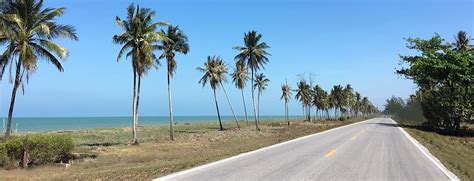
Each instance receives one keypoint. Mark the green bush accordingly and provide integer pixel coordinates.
(42, 149)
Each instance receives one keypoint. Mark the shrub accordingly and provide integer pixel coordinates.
(42, 149)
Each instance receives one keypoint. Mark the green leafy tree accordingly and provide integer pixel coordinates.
(139, 39)
(254, 56)
(337, 100)
(28, 30)
(177, 43)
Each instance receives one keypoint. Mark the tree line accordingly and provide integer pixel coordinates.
(444, 74)
(343, 101)
(28, 30)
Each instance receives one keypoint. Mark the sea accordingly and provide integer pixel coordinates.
(48, 124)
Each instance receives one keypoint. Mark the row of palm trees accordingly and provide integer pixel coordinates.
(342, 100)
(28, 30)
(251, 56)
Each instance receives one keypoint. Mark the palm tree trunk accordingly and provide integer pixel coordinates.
(12, 101)
(218, 113)
(170, 105)
(258, 106)
(135, 125)
(253, 101)
(286, 112)
(134, 99)
(230, 105)
(245, 107)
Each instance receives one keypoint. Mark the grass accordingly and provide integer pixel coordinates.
(156, 156)
(455, 152)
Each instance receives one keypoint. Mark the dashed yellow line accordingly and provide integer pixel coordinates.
(330, 153)
(354, 137)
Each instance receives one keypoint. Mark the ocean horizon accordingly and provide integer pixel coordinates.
(47, 124)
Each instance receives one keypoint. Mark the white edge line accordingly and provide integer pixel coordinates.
(167, 177)
(427, 153)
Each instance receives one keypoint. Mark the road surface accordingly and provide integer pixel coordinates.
(375, 149)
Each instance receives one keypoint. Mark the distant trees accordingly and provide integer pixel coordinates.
(139, 39)
(28, 30)
(445, 78)
(404, 111)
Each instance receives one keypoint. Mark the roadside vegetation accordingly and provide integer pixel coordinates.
(107, 154)
(440, 114)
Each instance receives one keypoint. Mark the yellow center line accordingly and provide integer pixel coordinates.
(330, 153)
(354, 137)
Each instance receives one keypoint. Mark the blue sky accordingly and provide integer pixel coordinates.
(340, 42)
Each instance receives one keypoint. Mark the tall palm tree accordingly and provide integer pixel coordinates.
(286, 95)
(139, 40)
(365, 105)
(30, 31)
(261, 83)
(177, 43)
(337, 99)
(318, 99)
(357, 103)
(240, 76)
(303, 95)
(214, 73)
(254, 56)
(349, 98)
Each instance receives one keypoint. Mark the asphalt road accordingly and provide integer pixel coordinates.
(375, 149)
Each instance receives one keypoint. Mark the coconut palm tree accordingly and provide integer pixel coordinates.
(240, 76)
(254, 56)
(337, 99)
(318, 99)
(303, 95)
(177, 43)
(349, 98)
(462, 42)
(286, 95)
(214, 73)
(30, 31)
(357, 103)
(139, 40)
(261, 83)
(365, 105)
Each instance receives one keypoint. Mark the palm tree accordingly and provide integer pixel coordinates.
(177, 43)
(357, 103)
(139, 41)
(214, 74)
(261, 83)
(303, 95)
(365, 105)
(337, 99)
(349, 98)
(318, 99)
(240, 78)
(30, 31)
(254, 56)
(286, 95)
(462, 42)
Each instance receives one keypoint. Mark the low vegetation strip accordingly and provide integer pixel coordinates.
(456, 153)
(156, 156)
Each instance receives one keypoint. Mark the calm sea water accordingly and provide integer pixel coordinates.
(43, 124)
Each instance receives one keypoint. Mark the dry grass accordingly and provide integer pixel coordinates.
(196, 144)
(456, 153)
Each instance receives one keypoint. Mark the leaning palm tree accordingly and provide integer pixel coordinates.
(261, 83)
(286, 95)
(214, 74)
(30, 31)
(139, 40)
(357, 103)
(254, 56)
(177, 43)
(303, 94)
(337, 99)
(240, 78)
(348, 92)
